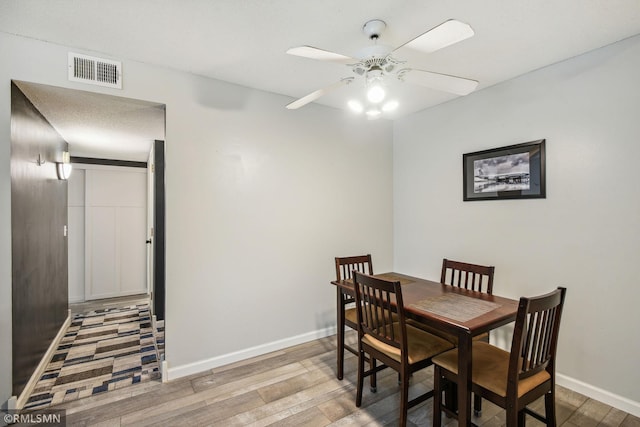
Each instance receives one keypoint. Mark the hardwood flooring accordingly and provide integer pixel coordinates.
(297, 387)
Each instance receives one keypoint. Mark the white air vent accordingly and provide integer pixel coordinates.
(96, 71)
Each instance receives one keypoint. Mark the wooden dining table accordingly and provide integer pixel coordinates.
(462, 312)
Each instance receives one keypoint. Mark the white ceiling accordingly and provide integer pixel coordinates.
(244, 41)
(97, 125)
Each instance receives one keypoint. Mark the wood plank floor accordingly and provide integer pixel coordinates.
(297, 387)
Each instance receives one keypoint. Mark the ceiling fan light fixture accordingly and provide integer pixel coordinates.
(390, 106)
(356, 106)
(376, 65)
(376, 94)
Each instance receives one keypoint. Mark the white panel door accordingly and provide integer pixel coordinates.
(76, 235)
(101, 257)
(132, 232)
(116, 222)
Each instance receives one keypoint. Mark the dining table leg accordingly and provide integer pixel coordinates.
(340, 334)
(464, 378)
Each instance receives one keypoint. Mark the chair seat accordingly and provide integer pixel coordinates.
(449, 337)
(490, 368)
(351, 315)
(421, 345)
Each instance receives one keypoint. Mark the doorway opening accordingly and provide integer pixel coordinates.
(102, 128)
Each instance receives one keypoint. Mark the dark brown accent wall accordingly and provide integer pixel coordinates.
(39, 247)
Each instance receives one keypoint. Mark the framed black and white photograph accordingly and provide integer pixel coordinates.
(512, 172)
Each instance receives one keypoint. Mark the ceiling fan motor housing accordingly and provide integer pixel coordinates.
(382, 65)
(374, 28)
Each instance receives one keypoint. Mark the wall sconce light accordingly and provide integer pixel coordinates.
(64, 167)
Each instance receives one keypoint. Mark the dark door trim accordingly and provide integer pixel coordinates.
(159, 245)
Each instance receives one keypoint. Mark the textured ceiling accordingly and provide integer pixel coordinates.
(97, 125)
(244, 41)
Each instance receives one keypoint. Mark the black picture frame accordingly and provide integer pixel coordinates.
(511, 172)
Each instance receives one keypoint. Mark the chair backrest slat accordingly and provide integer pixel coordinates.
(376, 299)
(535, 335)
(346, 265)
(468, 276)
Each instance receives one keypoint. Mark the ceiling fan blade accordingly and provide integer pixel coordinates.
(443, 82)
(318, 93)
(445, 34)
(321, 55)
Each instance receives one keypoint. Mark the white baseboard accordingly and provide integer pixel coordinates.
(12, 403)
(28, 389)
(165, 371)
(604, 396)
(114, 295)
(225, 359)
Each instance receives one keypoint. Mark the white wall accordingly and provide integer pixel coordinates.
(5, 234)
(585, 235)
(259, 201)
(266, 199)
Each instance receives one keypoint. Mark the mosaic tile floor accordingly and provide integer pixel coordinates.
(160, 339)
(102, 350)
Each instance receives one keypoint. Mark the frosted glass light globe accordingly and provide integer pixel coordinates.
(375, 94)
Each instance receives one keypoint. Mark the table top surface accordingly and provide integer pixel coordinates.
(457, 310)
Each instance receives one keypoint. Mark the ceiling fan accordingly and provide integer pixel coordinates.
(376, 63)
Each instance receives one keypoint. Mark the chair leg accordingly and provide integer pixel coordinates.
(374, 378)
(550, 407)
(340, 361)
(360, 378)
(477, 405)
(437, 397)
(522, 418)
(477, 400)
(404, 397)
(512, 415)
(451, 397)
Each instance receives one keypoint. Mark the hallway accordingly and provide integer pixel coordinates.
(110, 344)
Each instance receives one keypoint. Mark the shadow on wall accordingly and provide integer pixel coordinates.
(219, 95)
(326, 321)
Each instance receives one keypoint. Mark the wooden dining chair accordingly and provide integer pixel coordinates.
(384, 336)
(464, 275)
(345, 305)
(477, 278)
(468, 276)
(512, 380)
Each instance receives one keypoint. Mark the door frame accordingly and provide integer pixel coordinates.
(159, 231)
